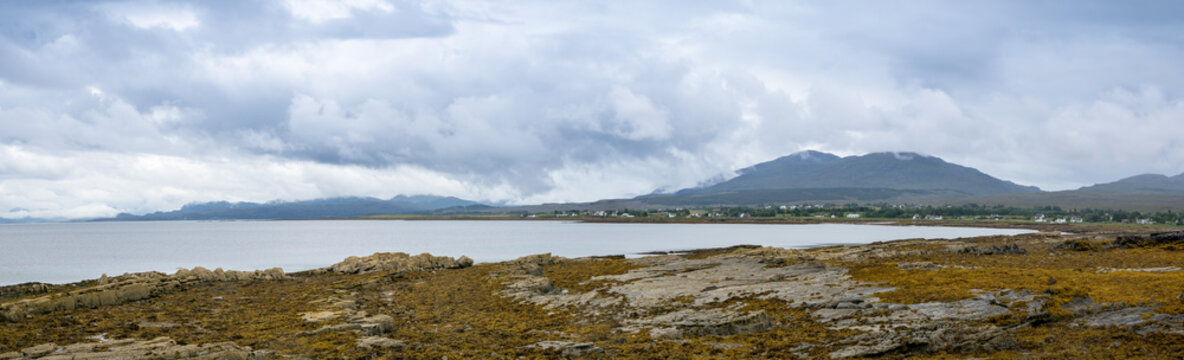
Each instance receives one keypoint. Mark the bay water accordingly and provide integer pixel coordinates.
(68, 252)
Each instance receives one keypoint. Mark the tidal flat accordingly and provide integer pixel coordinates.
(1098, 292)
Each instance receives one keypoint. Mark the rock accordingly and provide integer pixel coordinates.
(21, 290)
(1153, 270)
(333, 328)
(377, 324)
(126, 288)
(464, 261)
(992, 250)
(716, 321)
(718, 279)
(1142, 319)
(1081, 306)
(568, 348)
(158, 348)
(539, 259)
(527, 286)
(320, 316)
(665, 333)
(397, 262)
(929, 339)
(1163, 238)
(378, 342)
(39, 350)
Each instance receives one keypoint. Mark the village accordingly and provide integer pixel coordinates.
(878, 212)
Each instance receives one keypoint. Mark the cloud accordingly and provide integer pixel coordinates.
(154, 15)
(102, 184)
(564, 101)
(318, 11)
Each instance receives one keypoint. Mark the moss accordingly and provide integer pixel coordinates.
(1081, 273)
(575, 276)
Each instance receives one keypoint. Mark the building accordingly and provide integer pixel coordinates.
(853, 216)
(1039, 218)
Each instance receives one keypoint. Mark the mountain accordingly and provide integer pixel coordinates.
(311, 209)
(813, 175)
(1141, 184)
(1148, 192)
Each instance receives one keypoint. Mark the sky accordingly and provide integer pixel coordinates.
(141, 106)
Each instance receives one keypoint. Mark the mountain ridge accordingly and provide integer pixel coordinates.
(1141, 184)
(336, 207)
(815, 175)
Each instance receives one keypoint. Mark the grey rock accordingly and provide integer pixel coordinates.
(713, 321)
(158, 348)
(397, 262)
(378, 342)
(569, 348)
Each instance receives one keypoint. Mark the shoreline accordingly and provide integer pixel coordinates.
(212, 244)
(1105, 293)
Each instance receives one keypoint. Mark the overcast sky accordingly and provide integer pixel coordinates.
(139, 106)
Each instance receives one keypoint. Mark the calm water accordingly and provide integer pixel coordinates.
(57, 253)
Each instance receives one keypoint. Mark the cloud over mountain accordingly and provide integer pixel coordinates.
(140, 106)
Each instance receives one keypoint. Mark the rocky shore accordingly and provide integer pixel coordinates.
(1102, 293)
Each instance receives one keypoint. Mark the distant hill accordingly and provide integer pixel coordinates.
(1147, 192)
(1141, 184)
(311, 209)
(813, 175)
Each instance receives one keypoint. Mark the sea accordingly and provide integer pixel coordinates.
(69, 252)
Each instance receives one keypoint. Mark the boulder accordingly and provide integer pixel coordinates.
(397, 262)
(378, 342)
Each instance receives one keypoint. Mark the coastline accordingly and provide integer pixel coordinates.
(1104, 292)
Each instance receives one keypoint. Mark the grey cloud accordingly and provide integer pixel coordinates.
(555, 101)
